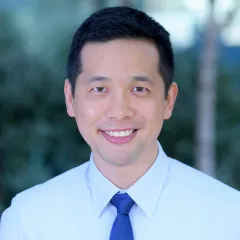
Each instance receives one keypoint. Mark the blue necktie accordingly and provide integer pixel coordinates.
(122, 228)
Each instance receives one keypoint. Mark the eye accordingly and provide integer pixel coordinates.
(140, 89)
(99, 89)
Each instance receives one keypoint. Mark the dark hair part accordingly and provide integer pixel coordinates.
(121, 23)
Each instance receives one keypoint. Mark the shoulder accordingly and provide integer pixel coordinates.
(56, 193)
(195, 182)
(48, 202)
(62, 183)
(205, 200)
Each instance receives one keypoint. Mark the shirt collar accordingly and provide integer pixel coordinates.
(144, 196)
(147, 190)
(102, 189)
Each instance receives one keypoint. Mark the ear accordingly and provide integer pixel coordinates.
(170, 101)
(69, 98)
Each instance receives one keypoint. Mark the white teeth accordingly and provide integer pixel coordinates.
(116, 134)
(122, 133)
(119, 133)
(110, 133)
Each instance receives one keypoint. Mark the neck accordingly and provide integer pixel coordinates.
(125, 176)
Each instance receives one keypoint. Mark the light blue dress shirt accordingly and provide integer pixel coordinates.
(173, 202)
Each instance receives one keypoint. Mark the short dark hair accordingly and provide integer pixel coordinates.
(121, 23)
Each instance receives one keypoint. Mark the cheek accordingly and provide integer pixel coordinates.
(155, 119)
(87, 117)
(153, 110)
(87, 113)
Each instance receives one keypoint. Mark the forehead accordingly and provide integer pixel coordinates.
(120, 54)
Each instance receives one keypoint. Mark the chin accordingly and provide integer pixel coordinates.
(120, 161)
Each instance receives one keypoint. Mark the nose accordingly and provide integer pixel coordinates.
(119, 107)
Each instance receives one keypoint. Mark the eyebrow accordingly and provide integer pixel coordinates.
(141, 78)
(98, 79)
(135, 78)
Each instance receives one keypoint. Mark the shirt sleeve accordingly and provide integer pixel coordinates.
(12, 225)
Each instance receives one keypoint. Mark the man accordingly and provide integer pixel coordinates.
(120, 90)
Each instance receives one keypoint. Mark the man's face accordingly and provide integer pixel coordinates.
(119, 102)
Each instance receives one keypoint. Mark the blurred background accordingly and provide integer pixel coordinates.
(39, 141)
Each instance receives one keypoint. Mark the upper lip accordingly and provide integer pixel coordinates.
(118, 129)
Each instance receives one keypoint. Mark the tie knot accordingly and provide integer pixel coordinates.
(122, 202)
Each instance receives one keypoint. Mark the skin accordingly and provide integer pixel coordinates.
(120, 88)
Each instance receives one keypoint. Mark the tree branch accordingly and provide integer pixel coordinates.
(230, 16)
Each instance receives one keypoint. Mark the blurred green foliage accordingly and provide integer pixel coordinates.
(39, 141)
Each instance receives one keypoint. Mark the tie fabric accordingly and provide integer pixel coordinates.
(122, 228)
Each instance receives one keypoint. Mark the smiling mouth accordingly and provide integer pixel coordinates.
(119, 137)
(120, 133)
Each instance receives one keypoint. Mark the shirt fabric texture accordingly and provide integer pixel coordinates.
(172, 202)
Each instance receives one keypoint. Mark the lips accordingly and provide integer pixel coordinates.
(123, 133)
(119, 136)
